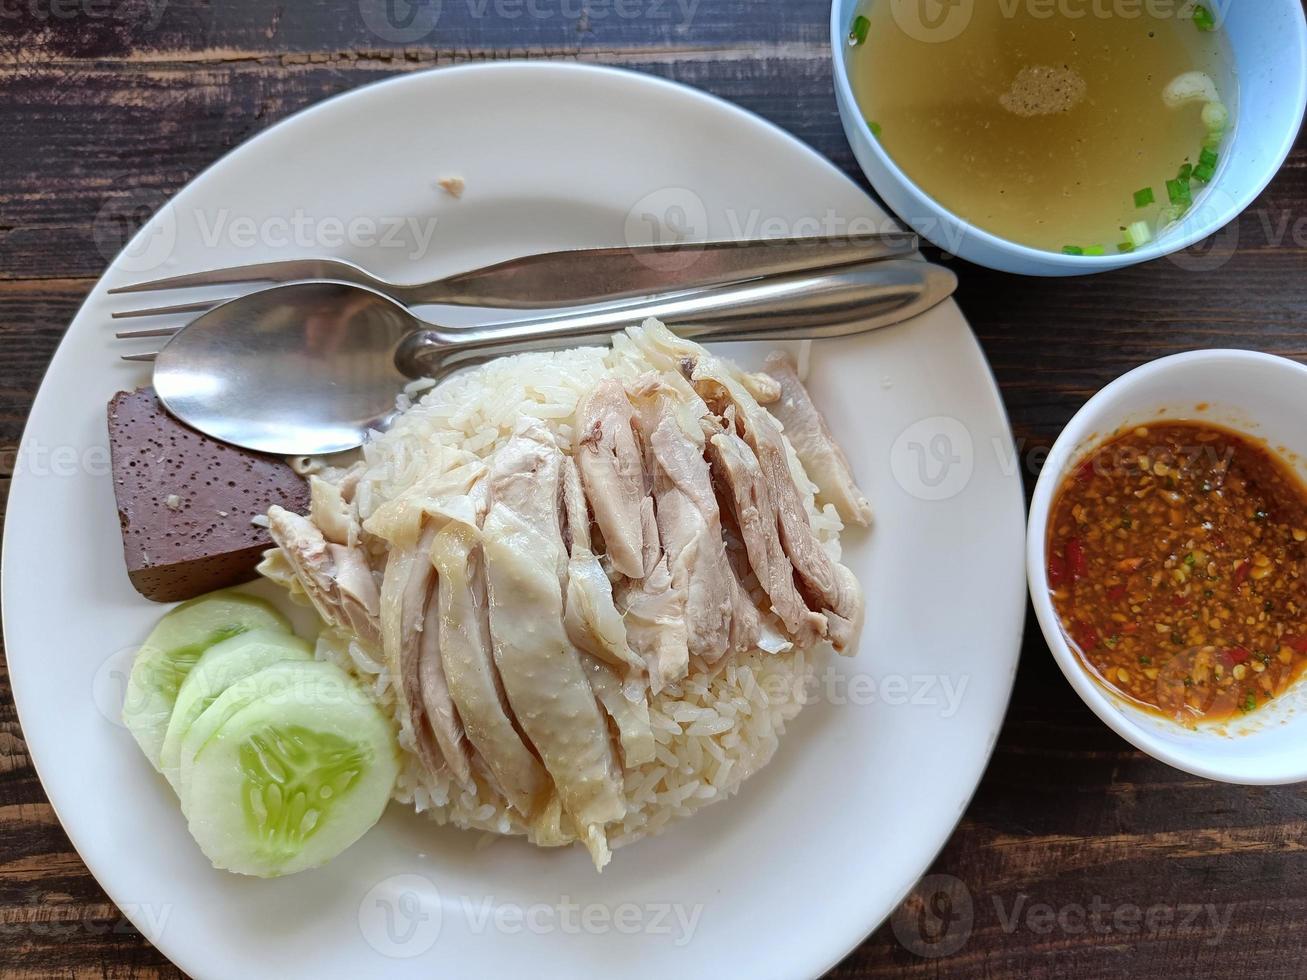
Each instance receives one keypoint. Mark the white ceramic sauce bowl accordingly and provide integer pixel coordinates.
(1269, 42)
(1256, 394)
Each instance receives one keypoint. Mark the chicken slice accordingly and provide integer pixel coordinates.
(656, 625)
(746, 621)
(827, 585)
(813, 443)
(400, 519)
(611, 470)
(653, 545)
(596, 627)
(276, 567)
(654, 611)
(437, 700)
(741, 476)
(541, 669)
(689, 522)
(668, 352)
(591, 618)
(332, 514)
(629, 711)
(336, 517)
(526, 477)
(356, 592)
(474, 685)
(405, 591)
(336, 578)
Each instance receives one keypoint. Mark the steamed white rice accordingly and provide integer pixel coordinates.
(713, 729)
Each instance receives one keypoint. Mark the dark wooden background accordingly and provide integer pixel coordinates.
(103, 101)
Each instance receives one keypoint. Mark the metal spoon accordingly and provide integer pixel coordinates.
(309, 368)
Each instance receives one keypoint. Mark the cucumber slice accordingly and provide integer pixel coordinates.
(276, 684)
(289, 781)
(171, 650)
(222, 665)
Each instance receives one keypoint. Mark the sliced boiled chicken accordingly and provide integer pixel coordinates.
(405, 591)
(656, 627)
(591, 617)
(741, 475)
(331, 513)
(827, 586)
(608, 457)
(357, 593)
(822, 458)
(596, 627)
(541, 670)
(629, 710)
(673, 354)
(464, 629)
(336, 578)
(437, 700)
(689, 521)
(654, 611)
(400, 519)
(409, 523)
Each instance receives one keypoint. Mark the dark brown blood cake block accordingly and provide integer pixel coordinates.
(185, 501)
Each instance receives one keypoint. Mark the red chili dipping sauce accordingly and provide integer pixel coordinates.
(1178, 565)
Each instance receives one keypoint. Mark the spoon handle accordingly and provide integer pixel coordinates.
(847, 301)
(579, 277)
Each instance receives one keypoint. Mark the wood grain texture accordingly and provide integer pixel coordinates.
(124, 102)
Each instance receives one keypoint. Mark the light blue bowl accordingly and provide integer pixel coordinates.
(1269, 40)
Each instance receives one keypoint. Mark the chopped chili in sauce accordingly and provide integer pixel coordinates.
(1177, 560)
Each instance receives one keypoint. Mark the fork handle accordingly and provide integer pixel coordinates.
(832, 304)
(580, 277)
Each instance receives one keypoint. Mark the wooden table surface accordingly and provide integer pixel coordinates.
(1080, 856)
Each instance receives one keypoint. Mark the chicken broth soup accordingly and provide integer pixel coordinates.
(1081, 127)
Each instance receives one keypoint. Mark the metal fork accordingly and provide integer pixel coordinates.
(572, 277)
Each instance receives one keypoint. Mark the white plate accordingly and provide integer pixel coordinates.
(868, 784)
